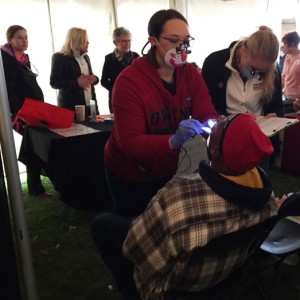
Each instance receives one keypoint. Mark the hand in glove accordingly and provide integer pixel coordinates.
(185, 130)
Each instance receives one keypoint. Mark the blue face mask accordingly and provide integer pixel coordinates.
(248, 72)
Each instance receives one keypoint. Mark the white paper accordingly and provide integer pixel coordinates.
(271, 126)
(74, 130)
(192, 152)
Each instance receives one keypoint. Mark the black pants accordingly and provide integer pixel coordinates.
(33, 169)
(109, 232)
(34, 183)
(130, 198)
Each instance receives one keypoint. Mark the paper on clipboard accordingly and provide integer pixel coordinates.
(272, 126)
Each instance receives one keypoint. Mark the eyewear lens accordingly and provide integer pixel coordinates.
(184, 46)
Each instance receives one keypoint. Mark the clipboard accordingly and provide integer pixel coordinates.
(272, 126)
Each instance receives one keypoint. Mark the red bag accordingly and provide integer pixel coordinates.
(40, 114)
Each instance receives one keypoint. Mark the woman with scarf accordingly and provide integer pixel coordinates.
(117, 61)
(21, 83)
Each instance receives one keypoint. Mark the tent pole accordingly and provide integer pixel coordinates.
(15, 196)
(116, 21)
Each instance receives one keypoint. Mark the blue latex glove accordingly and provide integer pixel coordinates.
(208, 125)
(185, 130)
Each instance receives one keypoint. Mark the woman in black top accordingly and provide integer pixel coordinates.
(117, 61)
(21, 83)
(71, 72)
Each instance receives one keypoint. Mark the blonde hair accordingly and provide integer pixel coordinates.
(76, 37)
(263, 44)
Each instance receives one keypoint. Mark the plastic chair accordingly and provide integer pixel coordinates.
(284, 239)
(251, 240)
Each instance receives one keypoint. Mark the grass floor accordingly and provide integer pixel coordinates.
(67, 264)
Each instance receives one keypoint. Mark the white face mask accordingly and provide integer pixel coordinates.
(174, 59)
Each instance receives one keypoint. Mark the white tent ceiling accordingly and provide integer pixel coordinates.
(213, 23)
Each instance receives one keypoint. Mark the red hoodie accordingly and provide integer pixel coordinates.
(146, 115)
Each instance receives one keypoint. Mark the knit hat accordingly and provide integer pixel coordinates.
(244, 145)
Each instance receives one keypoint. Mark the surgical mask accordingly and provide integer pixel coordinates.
(248, 72)
(174, 58)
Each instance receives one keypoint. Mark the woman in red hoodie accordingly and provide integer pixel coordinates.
(159, 102)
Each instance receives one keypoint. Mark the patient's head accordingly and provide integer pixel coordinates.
(237, 144)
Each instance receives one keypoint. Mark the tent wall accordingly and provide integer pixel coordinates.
(214, 24)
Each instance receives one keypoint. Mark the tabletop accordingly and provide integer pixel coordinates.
(74, 164)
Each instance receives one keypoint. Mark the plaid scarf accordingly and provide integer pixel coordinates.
(124, 59)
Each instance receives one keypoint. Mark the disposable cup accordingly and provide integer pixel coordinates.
(80, 112)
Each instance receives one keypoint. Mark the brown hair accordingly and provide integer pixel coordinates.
(291, 39)
(11, 31)
(155, 27)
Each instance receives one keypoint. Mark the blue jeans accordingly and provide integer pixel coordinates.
(109, 232)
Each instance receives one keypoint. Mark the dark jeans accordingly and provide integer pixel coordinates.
(130, 198)
(109, 232)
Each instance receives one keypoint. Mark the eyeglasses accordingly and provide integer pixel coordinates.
(124, 41)
(185, 45)
(254, 71)
(227, 120)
